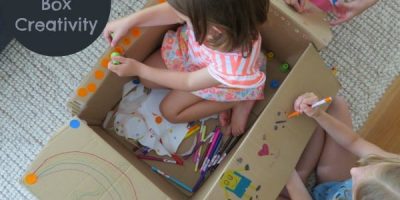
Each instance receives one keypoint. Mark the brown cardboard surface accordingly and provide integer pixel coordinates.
(277, 166)
(311, 25)
(77, 163)
(283, 34)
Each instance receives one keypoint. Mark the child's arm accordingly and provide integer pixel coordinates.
(344, 136)
(161, 14)
(186, 81)
(296, 188)
(341, 133)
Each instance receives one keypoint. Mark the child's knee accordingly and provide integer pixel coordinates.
(340, 101)
(339, 105)
(168, 113)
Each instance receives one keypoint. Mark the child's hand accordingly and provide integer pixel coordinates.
(303, 104)
(127, 66)
(345, 11)
(297, 4)
(115, 30)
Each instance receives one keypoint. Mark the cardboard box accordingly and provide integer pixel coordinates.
(84, 161)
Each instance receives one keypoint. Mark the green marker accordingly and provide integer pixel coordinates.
(113, 54)
(285, 68)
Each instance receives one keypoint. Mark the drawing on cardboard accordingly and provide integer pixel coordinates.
(269, 150)
(85, 167)
(280, 121)
(138, 117)
(233, 181)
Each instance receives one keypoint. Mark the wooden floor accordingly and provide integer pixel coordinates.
(383, 124)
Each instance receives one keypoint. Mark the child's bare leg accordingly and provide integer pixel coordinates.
(181, 107)
(240, 115)
(311, 154)
(155, 60)
(335, 162)
(309, 158)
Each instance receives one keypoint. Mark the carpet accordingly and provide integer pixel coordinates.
(34, 88)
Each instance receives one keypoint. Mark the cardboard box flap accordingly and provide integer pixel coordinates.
(77, 163)
(91, 100)
(272, 147)
(311, 25)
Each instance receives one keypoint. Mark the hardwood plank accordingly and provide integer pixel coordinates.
(383, 124)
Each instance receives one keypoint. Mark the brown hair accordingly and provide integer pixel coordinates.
(384, 185)
(238, 20)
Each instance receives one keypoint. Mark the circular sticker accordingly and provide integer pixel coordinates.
(56, 27)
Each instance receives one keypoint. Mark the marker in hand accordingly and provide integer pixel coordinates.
(316, 104)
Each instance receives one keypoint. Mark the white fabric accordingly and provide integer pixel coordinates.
(136, 119)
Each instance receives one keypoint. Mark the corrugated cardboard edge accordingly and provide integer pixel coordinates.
(312, 23)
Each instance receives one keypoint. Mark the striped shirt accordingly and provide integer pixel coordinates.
(231, 69)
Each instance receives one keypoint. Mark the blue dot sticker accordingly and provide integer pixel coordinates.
(274, 84)
(136, 81)
(75, 123)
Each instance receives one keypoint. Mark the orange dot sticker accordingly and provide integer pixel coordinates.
(161, 1)
(135, 32)
(158, 120)
(99, 74)
(104, 62)
(126, 41)
(91, 87)
(120, 50)
(30, 179)
(82, 92)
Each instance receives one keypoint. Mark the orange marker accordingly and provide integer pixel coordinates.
(317, 104)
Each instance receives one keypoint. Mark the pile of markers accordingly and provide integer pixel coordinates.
(208, 152)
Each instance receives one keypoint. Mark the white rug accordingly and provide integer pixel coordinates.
(34, 89)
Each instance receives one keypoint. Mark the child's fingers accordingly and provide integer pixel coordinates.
(295, 4)
(303, 107)
(119, 59)
(339, 20)
(310, 99)
(308, 111)
(107, 35)
(302, 4)
(112, 67)
(297, 103)
(116, 37)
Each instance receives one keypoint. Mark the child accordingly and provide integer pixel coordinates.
(212, 62)
(343, 10)
(377, 175)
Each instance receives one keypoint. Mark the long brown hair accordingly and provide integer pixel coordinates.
(238, 19)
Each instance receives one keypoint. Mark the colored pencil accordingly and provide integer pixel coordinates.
(198, 153)
(192, 130)
(164, 160)
(172, 179)
(210, 152)
(214, 154)
(229, 148)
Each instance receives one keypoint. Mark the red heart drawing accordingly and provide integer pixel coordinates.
(264, 150)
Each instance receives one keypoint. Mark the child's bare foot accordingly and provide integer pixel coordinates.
(225, 118)
(240, 115)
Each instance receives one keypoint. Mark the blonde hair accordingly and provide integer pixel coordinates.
(384, 185)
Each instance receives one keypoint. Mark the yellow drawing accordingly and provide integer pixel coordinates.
(232, 181)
